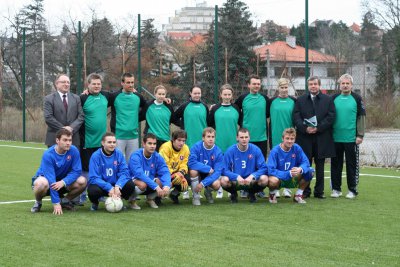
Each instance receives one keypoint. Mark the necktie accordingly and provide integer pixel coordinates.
(65, 102)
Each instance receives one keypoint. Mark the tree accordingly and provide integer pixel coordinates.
(299, 33)
(271, 32)
(370, 38)
(236, 36)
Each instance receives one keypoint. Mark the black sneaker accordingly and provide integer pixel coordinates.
(68, 206)
(252, 197)
(234, 198)
(36, 207)
(157, 200)
(174, 198)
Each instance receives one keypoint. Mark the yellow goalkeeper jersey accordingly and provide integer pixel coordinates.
(176, 160)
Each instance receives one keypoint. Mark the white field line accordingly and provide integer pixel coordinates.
(21, 201)
(25, 147)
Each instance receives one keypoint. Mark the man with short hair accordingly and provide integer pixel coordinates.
(108, 173)
(149, 172)
(348, 134)
(125, 115)
(244, 168)
(288, 167)
(313, 116)
(62, 109)
(176, 155)
(205, 166)
(59, 174)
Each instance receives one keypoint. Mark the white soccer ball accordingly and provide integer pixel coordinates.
(114, 204)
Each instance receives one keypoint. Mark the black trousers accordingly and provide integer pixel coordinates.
(350, 150)
(95, 192)
(263, 145)
(319, 171)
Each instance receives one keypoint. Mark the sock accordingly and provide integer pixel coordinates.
(138, 191)
(194, 182)
(299, 192)
(65, 200)
(39, 201)
(273, 192)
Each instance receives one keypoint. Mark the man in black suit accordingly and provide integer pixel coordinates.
(316, 140)
(62, 109)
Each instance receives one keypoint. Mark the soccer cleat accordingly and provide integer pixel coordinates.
(68, 206)
(174, 197)
(287, 193)
(244, 194)
(261, 194)
(272, 199)
(208, 195)
(186, 195)
(196, 201)
(277, 194)
(350, 195)
(336, 193)
(157, 200)
(36, 207)
(152, 203)
(94, 207)
(234, 197)
(134, 205)
(252, 197)
(299, 199)
(220, 193)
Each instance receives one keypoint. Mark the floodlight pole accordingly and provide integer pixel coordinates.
(79, 60)
(23, 86)
(216, 55)
(307, 72)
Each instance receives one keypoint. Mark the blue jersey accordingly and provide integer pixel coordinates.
(244, 163)
(108, 171)
(202, 160)
(146, 169)
(280, 162)
(56, 167)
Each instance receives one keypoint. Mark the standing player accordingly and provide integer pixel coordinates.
(288, 167)
(125, 112)
(59, 174)
(205, 166)
(281, 118)
(244, 168)
(176, 155)
(224, 118)
(348, 134)
(149, 172)
(159, 115)
(108, 173)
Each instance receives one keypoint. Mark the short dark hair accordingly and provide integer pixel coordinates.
(198, 85)
(289, 131)
(179, 134)
(312, 78)
(252, 76)
(149, 136)
(62, 132)
(126, 75)
(103, 138)
(94, 76)
(242, 130)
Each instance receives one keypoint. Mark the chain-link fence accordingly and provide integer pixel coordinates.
(189, 50)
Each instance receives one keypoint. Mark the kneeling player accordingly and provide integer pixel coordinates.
(108, 173)
(59, 173)
(176, 154)
(244, 168)
(288, 167)
(205, 165)
(149, 172)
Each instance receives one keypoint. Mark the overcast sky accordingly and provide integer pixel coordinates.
(283, 12)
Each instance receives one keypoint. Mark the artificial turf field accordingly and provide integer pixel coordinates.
(330, 232)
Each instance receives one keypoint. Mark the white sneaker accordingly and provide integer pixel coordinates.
(277, 194)
(336, 193)
(196, 201)
(287, 193)
(351, 195)
(186, 195)
(134, 205)
(272, 198)
(152, 204)
(243, 194)
(220, 193)
(299, 199)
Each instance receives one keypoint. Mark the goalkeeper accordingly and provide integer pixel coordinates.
(176, 154)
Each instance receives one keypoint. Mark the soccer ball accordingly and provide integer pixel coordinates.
(114, 204)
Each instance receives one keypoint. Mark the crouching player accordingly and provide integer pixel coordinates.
(108, 173)
(176, 155)
(59, 174)
(149, 173)
(244, 168)
(205, 166)
(288, 167)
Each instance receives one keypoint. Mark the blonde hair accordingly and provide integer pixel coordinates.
(283, 81)
(158, 87)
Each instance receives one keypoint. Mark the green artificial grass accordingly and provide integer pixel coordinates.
(330, 232)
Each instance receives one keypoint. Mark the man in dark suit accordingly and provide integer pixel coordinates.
(62, 109)
(316, 140)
